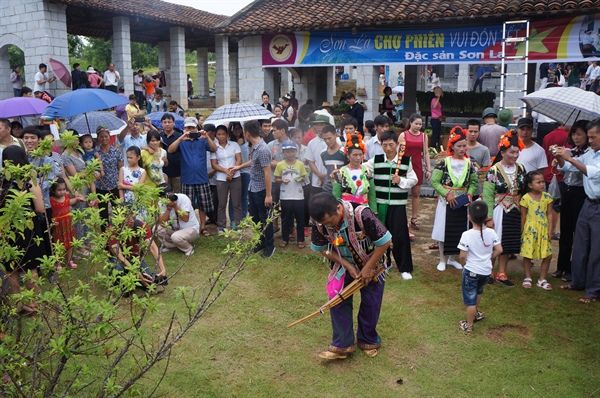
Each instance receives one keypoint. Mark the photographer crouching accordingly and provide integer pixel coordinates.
(179, 227)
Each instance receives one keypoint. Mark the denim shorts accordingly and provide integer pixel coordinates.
(472, 286)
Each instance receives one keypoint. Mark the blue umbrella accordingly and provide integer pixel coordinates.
(82, 101)
(89, 122)
(156, 116)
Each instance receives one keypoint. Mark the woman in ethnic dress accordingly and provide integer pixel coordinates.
(502, 190)
(455, 180)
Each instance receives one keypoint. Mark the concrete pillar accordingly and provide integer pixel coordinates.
(178, 75)
(121, 52)
(201, 86)
(234, 76)
(223, 81)
(330, 84)
(367, 79)
(164, 62)
(463, 78)
(5, 86)
(410, 89)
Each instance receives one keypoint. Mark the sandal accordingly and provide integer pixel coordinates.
(588, 299)
(544, 284)
(204, 232)
(414, 223)
(503, 278)
(568, 286)
(479, 316)
(527, 283)
(301, 245)
(434, 246)
(284, 244)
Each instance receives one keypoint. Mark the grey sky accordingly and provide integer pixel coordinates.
(224, 7)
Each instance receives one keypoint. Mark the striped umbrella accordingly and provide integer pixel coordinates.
(565, 104)
(240, 112)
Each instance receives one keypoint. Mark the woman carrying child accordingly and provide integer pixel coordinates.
(536, 236)
(455, 180)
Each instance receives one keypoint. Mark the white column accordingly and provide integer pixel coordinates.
(234, 76)
(223, 83)
(164, 62)
(201, 85)
(121, 52)
(463, 77)
(367, 78)
(6, 90)
(178, 83)
(330, 84)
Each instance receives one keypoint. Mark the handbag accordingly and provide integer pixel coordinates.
(335, 281)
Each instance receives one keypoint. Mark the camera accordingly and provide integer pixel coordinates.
(194, 135)
(173, 198)
(139, 119)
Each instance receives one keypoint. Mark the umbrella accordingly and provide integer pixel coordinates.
(565, 104)
(80, 101)
(156, 116)
(61, 72)
(89, 122)
(398, 89)
(240, 112)
(22, 106)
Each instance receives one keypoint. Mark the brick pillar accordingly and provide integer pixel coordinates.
(223, 83)
(201, 84)
(463, 78)
(234, 76)
(164, 62)
(121, 52)
(178, 83)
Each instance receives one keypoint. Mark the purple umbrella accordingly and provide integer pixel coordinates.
(22, 106)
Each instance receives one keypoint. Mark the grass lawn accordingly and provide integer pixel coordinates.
(533, 343)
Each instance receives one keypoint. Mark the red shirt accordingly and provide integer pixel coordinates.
(555, 137)
(309, 135)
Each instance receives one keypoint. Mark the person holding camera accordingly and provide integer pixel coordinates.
(192, 147)
(179, 226)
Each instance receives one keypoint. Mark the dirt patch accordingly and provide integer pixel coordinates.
(499, 333)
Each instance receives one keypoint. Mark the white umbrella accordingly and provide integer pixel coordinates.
(240, 112)
(565, 104)
(398, 89)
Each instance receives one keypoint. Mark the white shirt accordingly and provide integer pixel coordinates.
(595, 73)
(225, 157)
(589, 70)
(129, 140)
(374, 147)
(137, 83)
(479, 252)
(315, 147)
(40, 87)
(184, 204)
(533, 158)
(111, 78)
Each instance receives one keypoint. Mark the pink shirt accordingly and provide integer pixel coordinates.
(94, 80)
(436, 111)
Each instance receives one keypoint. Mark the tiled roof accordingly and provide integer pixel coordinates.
(154, 10)
(263, 16)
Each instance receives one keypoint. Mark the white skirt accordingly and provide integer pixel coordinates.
(498, 216)
(439, 223)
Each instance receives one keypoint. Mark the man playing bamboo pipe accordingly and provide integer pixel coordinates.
(354, 241)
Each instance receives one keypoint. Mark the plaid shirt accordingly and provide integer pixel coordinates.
(261, 157)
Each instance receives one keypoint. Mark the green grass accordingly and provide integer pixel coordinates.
(533, 343)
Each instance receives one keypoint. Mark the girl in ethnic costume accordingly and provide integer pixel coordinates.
(455, 180)
(537, 238)
(354, 183)
(502, 190)
(62, 220)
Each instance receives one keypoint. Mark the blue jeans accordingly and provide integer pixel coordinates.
(245, 184)
(259, 214)
(472, 286)
(16, 92)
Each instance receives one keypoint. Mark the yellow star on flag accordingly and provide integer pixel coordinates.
(536, 43)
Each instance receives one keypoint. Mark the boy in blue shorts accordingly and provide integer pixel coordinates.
(478, 246)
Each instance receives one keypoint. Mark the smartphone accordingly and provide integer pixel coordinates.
(194, 136)
(139, 119)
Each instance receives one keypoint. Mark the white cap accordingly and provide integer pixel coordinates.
(190, 122)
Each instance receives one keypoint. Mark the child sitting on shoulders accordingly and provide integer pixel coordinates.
(478, 246)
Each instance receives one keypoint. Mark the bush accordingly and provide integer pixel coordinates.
(462, 104)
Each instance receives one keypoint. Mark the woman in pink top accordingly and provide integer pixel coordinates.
(417, 149)
(436, 116)
(94, 78)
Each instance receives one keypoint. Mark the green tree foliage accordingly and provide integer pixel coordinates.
(15, 57)
(97, 52)
(143, 55)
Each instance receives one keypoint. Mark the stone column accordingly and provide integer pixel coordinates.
(178, 83)
(234, 76)
(201, 85)
(121, 52)
(164, 62)
(330, 84)
(6, 90)
(410, 89)
(223, 82)
(367, 78)
(463, 78)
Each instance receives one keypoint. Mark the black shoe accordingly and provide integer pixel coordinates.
(257, 249)
(557, 274)
(506, 282)
(268, 253)
(567, 277)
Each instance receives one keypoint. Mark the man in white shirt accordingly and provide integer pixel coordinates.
(382, 124)
(179, 225)
(132, 136)
(111, 78)
(594, 76)
(533, 156)
(42, 79)
(315, 147)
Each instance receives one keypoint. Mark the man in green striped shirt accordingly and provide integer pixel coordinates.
(393, 178)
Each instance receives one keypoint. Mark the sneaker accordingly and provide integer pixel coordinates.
(189, 252)
(455, 264)
(464, 326)
(267, 254)
(441, 266)
(479, 316)
(330, 355)
(406, 276)
(165, 249)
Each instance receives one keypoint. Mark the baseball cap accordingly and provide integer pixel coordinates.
(488, 112)
(320, 119)
(190, 122)
(525, 122)
(289, 144)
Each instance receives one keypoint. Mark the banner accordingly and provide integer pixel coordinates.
(560, 39)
